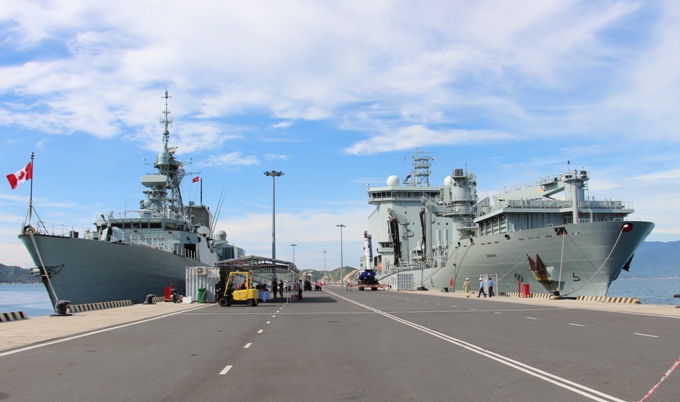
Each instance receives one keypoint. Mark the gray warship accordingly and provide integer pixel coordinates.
(129, 257)
(546, 237)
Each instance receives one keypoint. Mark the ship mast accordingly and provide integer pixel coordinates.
(168, 200)
(166, 122)
(421, 169)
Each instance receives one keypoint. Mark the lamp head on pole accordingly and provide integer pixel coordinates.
(273, 173)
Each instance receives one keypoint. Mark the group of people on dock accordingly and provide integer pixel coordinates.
(296, 287)
(466, 287)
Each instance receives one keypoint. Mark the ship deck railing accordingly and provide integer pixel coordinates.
(607, 205)
(405, 266)
(61, 230)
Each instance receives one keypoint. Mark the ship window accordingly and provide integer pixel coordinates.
(154, 225)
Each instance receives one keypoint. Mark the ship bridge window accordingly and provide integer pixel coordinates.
(154, 225)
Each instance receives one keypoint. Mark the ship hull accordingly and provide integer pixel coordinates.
(584, 261)
(97, 271)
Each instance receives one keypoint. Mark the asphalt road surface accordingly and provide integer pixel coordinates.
(337, 345)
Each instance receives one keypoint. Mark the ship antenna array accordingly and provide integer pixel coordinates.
(166, 120)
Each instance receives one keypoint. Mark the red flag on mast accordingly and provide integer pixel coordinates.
(21, 176)
(195, 179)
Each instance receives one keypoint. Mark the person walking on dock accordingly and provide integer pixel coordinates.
(481, 288)
(281, 287)
(466, 287)
(491, 294)
(275, 287)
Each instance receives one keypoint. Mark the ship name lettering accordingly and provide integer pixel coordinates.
(491, 256)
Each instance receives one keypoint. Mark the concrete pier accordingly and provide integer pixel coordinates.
(340, 345)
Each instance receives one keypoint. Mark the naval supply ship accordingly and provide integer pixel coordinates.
(127, 258)
(545, 237)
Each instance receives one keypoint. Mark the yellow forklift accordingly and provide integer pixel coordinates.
(237, 288)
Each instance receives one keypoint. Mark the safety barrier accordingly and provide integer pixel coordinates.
(79, 308)
(13, 316)
(604, 299)
(610, 299)
(532, 295)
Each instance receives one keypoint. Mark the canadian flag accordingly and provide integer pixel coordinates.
(21, 176)
(195, 179)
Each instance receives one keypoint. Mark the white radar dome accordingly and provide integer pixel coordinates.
(447, 181)
(393, 181)
(221, 235)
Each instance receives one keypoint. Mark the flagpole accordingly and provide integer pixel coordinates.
(30, 198)
(201, 191)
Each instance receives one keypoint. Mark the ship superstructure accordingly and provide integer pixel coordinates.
(572, 245)
(137, 254)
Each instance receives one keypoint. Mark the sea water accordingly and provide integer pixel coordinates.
(33, 299)
(647, 290)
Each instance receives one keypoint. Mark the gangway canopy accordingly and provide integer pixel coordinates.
(257, 264)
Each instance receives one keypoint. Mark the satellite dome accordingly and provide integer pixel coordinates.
(393, 181)
(447, 181)
(221, 235)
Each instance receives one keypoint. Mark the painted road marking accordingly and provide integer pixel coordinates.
(260, 331)
(517, 365)
(576, 325)
(651, 336)
(247, 345)
(497, 312)
(268, 322)
(225, 370)
(532, 318)
(98, 331)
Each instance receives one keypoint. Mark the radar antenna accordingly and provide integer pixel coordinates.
(166, 121)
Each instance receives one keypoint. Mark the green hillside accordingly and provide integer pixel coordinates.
(16, 275)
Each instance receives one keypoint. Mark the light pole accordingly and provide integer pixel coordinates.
(293, 245)
(324, 267)
(273, 174)
(342, 282)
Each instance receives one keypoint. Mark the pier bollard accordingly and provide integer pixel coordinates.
(149, 299)
(62, 308)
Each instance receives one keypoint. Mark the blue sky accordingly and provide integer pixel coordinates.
(335, 94)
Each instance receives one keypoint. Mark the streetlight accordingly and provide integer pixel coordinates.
(273, 174)
(342, 282)
(293, 245)
(324, 267)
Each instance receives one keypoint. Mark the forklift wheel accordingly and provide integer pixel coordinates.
(250, 303)
(223, 302)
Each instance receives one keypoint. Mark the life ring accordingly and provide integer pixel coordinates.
(29, 230)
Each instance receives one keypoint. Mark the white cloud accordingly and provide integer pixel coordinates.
(232, 159)
(417, 135)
